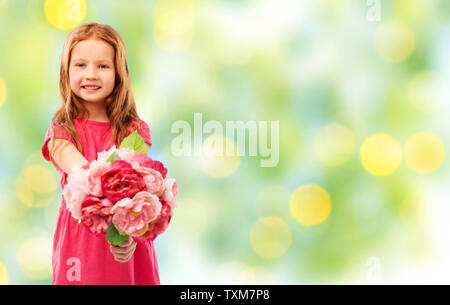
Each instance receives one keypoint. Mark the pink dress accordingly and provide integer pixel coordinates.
(80, 256)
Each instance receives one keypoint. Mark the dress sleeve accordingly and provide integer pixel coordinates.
(144, 132)
(59, 132)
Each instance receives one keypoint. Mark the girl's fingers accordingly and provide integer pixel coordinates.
(126, 243)
(123, 250)
(123, 258)
(119, 250)
(123, 254)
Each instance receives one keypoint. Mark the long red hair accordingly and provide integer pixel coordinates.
(120, 104)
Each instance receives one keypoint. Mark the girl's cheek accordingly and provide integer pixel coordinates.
(75, 78)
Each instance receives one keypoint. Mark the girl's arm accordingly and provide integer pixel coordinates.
(65, 155)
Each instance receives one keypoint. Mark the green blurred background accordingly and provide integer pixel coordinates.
(360, 193)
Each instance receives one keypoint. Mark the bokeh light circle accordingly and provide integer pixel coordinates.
(65, 15)
(36, 186)
(394, 41)
(334, 144)
(3, 274)
(424, 152)
(24, 192)
(34, 257)
(380, 154)
(310, 205)
(215, 161)
(39, 178)
(2, 91)
(174, 24)
(270, 237)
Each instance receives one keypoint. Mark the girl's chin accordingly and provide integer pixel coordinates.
(92, 100)
(87, 98)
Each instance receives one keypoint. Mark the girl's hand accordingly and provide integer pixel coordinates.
(123, 252)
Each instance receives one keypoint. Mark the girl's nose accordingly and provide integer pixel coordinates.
(91, 72)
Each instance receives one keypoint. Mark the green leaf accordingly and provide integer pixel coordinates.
(113, 157)
(113, 235)
(135, 142)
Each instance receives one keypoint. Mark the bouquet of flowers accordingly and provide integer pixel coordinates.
(123, 193)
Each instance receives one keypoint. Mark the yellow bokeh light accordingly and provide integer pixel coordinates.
(65, 15)
(39, 178)
(24, 192)
(270, 237)
(34, 257)
(424, 152)
(380, 154)
(310, 205)
(36, 186)
(428, 91)
(3, 274)
(394, 41)
(334, 144)
(174, 24)
(2, 91)
(416, 11)
(216, 161)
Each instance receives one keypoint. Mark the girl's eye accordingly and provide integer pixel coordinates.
(103, 66)
(79, 65)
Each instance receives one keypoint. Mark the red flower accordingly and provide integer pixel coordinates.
(121, 181)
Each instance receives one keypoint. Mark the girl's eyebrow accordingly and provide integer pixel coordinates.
(84, 59)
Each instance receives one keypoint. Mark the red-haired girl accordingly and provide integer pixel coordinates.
(97, 111)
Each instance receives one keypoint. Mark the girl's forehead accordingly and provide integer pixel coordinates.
(93, 49)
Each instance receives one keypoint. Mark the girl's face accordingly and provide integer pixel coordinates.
(92, 70)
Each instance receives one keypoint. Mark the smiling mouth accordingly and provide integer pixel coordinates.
(91, 87)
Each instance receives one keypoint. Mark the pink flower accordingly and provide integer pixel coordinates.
(96, 171)
(170, 192)
(159, 225)
(131, 216)
(121, 181)
(75, 191)
(95, 213)
(153, 180)
(104, 155)
(146, 161)
(126, 154)
(142, 160)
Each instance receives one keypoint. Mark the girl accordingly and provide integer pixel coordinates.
(97, 111)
